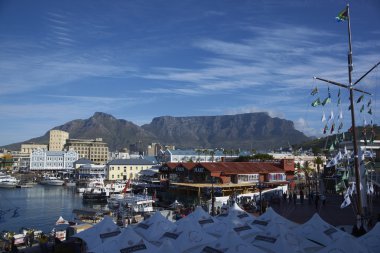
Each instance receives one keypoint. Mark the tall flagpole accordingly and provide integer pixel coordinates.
(350, 86)
(354, 136)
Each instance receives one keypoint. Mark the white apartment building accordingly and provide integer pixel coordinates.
(42, 160)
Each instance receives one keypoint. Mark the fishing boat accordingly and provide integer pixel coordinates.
(7, 181)
(99, 195)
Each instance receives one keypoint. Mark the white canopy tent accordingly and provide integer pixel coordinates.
(127, 241)
(346, 244)
(317, 230)
(371, 239)
(99, 233)
(154, 227)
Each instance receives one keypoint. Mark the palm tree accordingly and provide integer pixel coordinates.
(206, 152)
(199, 152)
(308, 171)
(212, 153)
(318, 161)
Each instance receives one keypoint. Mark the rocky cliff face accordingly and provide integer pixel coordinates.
(250, 130)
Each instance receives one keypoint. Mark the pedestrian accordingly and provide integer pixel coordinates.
(316, 201)
(290, 197)
(14, 248)
(323, 198)
(295, 197)
(31, 238)
(301, 196)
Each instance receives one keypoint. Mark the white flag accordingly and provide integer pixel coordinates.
(346, 202)
(340, 115)
(323, 117)
(331, 116)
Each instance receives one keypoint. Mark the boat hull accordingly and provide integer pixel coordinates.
(8, 185)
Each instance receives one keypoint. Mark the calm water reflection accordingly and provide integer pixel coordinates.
(38, 207)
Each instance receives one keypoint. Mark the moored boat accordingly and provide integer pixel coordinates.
(52, 180)
(7, 181)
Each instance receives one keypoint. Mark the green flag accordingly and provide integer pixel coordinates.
(314, 91)
(362, 109)
(343, 15)
(360, 99)
(316, 102)
(370, 111)
(369, 103)
(326, 101)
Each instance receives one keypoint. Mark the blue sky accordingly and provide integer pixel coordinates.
(65, 60)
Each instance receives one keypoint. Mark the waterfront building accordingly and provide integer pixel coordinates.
(42, 160)
(28, 148)
(57, 140)
(191, 155)
(153, 149)
(82, 161)
(124, 169)
(93, 149)
(229, 177)
(301, 160)
(90, 171)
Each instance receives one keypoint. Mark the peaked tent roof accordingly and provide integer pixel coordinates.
(318, 230)
(154, 227)
(371, 239)
(99, 233)
(128, 240)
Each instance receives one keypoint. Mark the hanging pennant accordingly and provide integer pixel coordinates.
(340, 126)
(340, 114)
(362, 109)
(316, 102)
(323, 117)
(370, 111)
(369, 103)
(338, 101)
(360, 99)
(331, 116)
(326, 101)
(325, 129)
(331, 147)
(339, 93)
(314, 91)
(332, 128)
(328, 91)
(349, 108)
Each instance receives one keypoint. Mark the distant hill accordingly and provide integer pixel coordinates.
(246, 131)
(325, 142)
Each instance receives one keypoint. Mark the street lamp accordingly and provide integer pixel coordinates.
(212, 197)
(260, 186)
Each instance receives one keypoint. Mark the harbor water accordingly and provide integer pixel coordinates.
(38, 207)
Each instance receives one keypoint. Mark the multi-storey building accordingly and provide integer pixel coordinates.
(57, 140)
(27, 148)
(93, 149)
(153, 149)
(123, 169)
(42, 160)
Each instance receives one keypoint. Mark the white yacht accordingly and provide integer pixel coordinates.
(52, 180)
(7, 181)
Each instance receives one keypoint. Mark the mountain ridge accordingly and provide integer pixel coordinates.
(246, 131)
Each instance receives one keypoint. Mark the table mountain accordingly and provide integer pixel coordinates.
(250, 130)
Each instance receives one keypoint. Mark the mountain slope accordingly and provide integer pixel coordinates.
(246, 131)
(250, 130)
